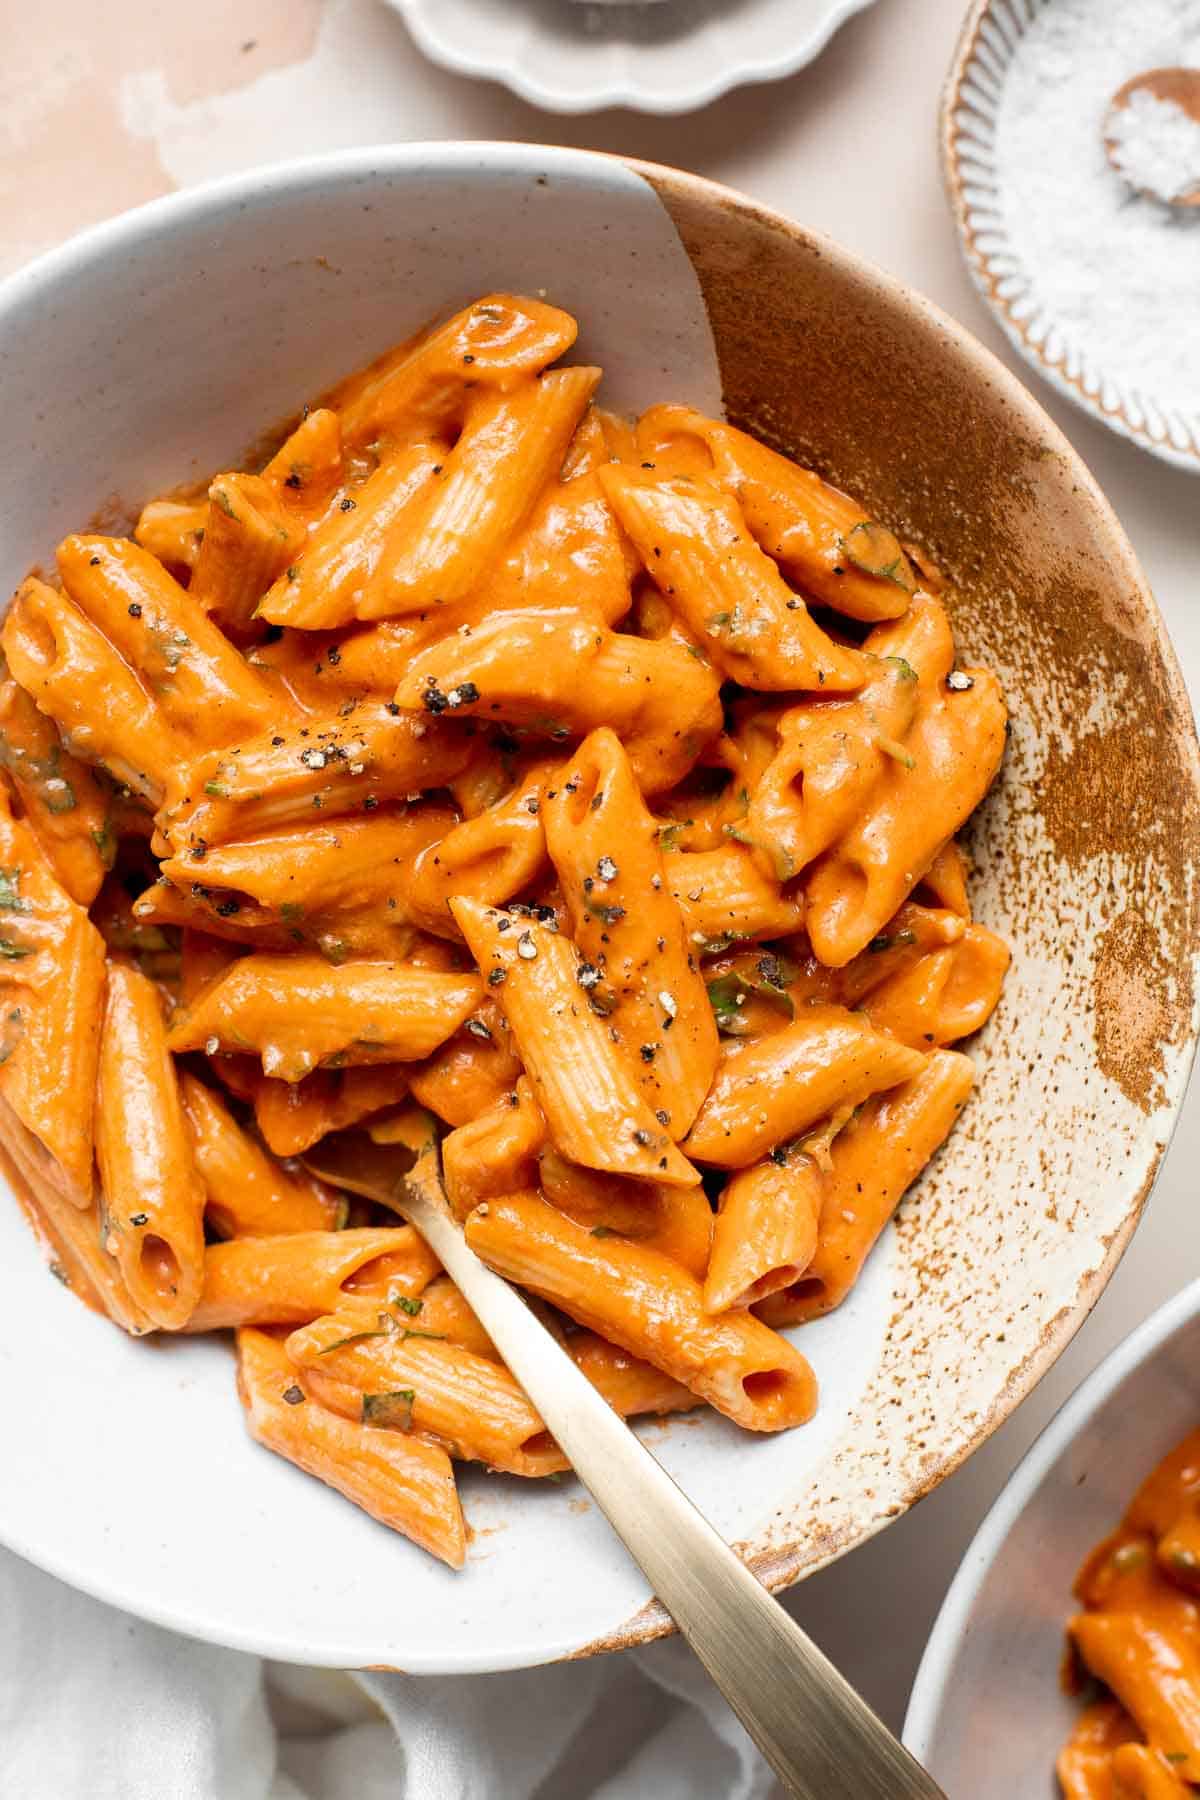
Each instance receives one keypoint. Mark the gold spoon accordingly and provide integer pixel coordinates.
(1179, 87)
(820, 1737)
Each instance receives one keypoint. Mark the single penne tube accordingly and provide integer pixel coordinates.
(677, 1221)
(215, 912)
(821, 537)
(294, 1115)
(424, 384)
(492, 857)
(765, 1231)
(511, 445)
(472, 1070)
(571, 552)
(73, 675)
(349, 761)
(404, 1482)
(323, 587)
(64, 805)
(944, 882)
(724, 896)
(1142, 1772)
(560, 673)
(152, 1194)
(248, 1193)
(313, 870)
(829, 762)
(944, 995)
(768, 1090)
(439, 1309)
(249, 540)
(297, 1012)
(466, 1402)
(172, 530)
(205, 688)
(294, 1277)
(875, 1160)
(916, 932)
(630, 1385)
(695, 543)
(593, 1107)
(649, 1306)
(1150, 1660)
(52, 979)
(495, 1152)
(628, 927)
(74, 1233)
(308, 468)
(1085, 1763)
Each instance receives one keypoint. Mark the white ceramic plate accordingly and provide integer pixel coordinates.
(1022, 251)
(670, 57)
(154, 349)
(988, 1715)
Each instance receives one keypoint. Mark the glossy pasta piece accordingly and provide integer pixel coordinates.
(649, 1306)
(404, 1482)
(314, 870)
(441, 1309)
(874, 1161)
(492, 857)
(323, 587)
(946, 994)
(765, 1232)
(293, 1277)
(298, 1012)
(74, 1234)
(495, 1152)
(591, 1101)
(64, 805)
(511, 445)
(768, 1090)
(294, 1115)
(1085, 1764)
(1143, 1773)
(52, 977)
(676, 1221)
(952, 751)
(559, 673)
(472, 1070)
(628, 927)
(423, 385)
(249, 540)
(153, 1197)
(725, 896)
(349, 761)
(695, 543)
(821, 537)
(205, 688)
(466, 1402)
(1150, 1660)
(630, 1386)
(172, 530)
(571, 552)
(308, 468)
(74, 676)
(248, 1193)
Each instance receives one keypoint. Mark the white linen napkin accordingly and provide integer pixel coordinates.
(95, 1705)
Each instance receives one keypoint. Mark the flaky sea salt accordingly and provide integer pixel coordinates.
(1155, 145)
(1114, 274)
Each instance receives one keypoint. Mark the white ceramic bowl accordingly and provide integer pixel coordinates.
(155, 349)
(988, 1715)
(573, 56)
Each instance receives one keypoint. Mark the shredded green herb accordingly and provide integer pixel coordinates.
(394, 1410)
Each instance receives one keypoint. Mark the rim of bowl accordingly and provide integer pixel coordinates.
(781, 1565)
(978, 261)
(461, 60)
(1048, 1448)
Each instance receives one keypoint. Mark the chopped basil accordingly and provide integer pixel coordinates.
(603, 1231)
(394, 1410)
(669, 836)
(355, 1337)
(728, 994)
(408, 1305)
(894, 942)
(13, 952)
(10, 895)
(220, 498)
(876, 551)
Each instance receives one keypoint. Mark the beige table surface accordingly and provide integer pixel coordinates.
(103, 106)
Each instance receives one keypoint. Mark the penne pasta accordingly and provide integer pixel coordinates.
(308, 469)
(402, 1481)
(248, 1193)
(249, 540)
(765, 1232)
(724, 896)
(294, 1277)
(172, 530)
(294, 1115)
(677, 1221)
(64, 805)
(495, 1152)
(152, 1195)
(593, 1107)
(299, 1012)
(649, 1306)
(473, 1069)
(492, 857)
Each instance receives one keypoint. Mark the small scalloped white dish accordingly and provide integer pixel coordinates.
(1024, 253)
(988, 1715)
(154, 350)
(672, 56)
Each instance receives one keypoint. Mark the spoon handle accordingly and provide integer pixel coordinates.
(819, 1736)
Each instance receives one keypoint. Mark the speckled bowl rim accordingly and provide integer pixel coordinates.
(462, 60)
(982, 14)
